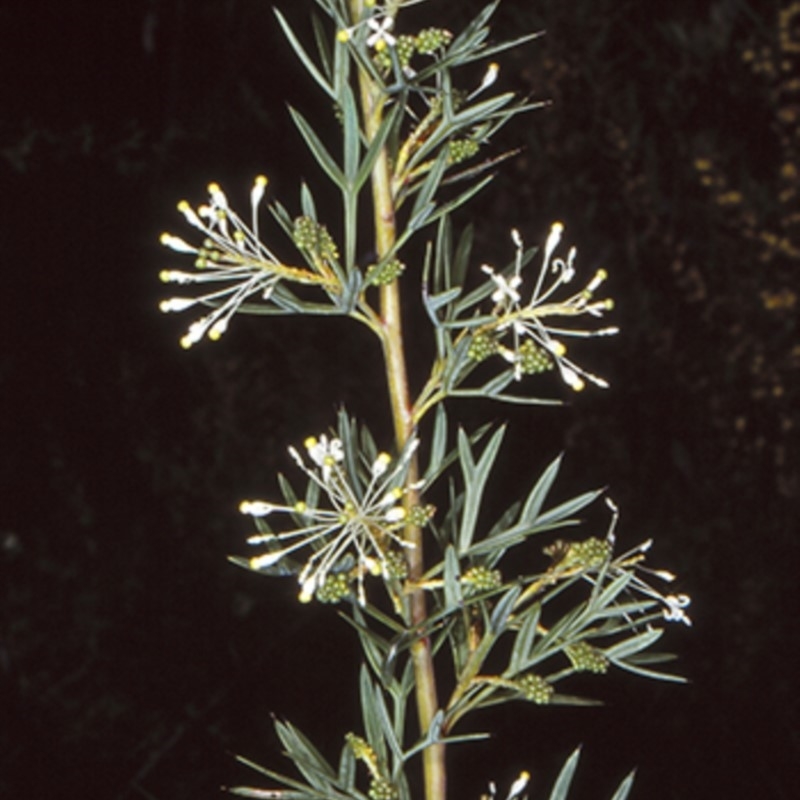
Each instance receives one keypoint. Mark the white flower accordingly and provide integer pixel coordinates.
(380, 23)
(673, 604)
(532, 320)
(489, 77)
(358, 517)
(381, 36)
(519, 785)
(231, 255)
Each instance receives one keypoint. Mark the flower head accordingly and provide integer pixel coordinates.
(231, 256)
(593, 557)
(536, 339)
(380, 24)
(353, 516)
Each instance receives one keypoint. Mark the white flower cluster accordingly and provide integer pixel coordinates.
(363, 518)
(531, 320)
(231, 254)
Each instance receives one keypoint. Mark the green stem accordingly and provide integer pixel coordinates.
(372, 103)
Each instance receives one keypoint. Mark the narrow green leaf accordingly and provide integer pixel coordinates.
(633, 645)
(429, 185)
(535, 500)
(458, 201)
(502, 611)
(568, 508)
(307, 203)
(322, 156)
(347, 769)
(309, 762)
(511, 537)
(301, 53)
(610, 593)
(477, 113)
(623, 790)
(352, 134)
(564, 780)
(452, 585)
(370, 714)
(461, 259)
(438, 444)
(322, 40)
(629, 666)
(475, 477)
(267, 794)
(523, 644)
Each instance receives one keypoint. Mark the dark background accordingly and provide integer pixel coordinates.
(134, 660)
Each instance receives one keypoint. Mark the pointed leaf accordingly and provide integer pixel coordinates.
(564, 780)
(475, 477)
(318, 150)
(568, 508)
(623, 790)
(533, 505)
(633, 645)
(502, 611)
(298, 48)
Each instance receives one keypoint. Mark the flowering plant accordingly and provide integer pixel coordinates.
(431, 592)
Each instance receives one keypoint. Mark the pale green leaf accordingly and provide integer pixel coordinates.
(318, 150)
(305, 59)
(564, 780)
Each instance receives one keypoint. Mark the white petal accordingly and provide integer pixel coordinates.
(553, 239)
(256, 508)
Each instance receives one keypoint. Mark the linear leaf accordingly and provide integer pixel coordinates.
(352, 133)
(317, 148)
(533, 505)
(298, 48)
(623, 790)
(568, 508)
(524, 641)
(564, 780)
(503, 609)
(633, 645)
(629, 666)
(475, 477)
(452, 586)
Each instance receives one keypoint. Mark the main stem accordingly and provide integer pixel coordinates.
(372, 102)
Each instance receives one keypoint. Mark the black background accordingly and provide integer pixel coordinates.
(134, 660)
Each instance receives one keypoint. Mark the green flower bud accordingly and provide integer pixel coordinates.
(461, 149)
(534, 359)
(314, 238)
(382, 789)
(588, 554)
(535, 688)
(384, 274)
(431, 39)
(482, 346)
(335, 588)
(420, 515)
(404, 48)
(585, 658)
(395, 565)
(482, 579)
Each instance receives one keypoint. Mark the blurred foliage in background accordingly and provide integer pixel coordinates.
(132, 656)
